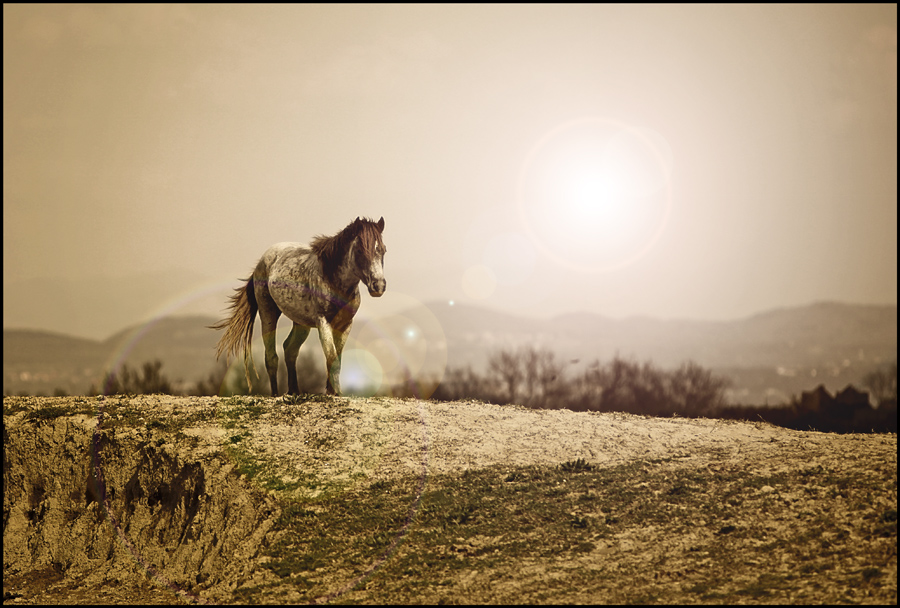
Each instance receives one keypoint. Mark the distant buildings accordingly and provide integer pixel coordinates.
(842, 405)
(850, 410)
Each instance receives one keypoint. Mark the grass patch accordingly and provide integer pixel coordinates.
(307, 398)
(239, 408)
(570, 533)
(266, 474)
(576, 466)
(11, 409)
(50, 412)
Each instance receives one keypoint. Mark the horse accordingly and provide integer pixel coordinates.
(314, 286)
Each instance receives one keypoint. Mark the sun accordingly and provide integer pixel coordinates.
(595, 194)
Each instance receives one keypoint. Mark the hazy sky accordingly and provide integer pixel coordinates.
(702, 162)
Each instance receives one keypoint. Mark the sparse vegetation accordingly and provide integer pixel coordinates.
(536, 378)
(51, 412)
(126, 381)
(224, 381)
(469, 536)
(882, 384)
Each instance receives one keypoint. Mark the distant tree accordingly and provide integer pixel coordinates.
(694, 391)
(544, 378)
(882, 383)
(236, 382)
(311, 376)
(131, 382)
(153, 382)
(507, 368)
(587, 389)
(534, 377)
(214, 383)
(629, 387)
(463, 383)
(225, 381)
(409, 387)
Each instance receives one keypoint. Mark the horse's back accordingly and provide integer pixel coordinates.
(287, 257)
(281, 251)
(291, 274)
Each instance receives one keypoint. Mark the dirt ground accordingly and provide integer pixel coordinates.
(342, 444)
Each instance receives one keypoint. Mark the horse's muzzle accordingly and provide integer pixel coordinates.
(377, 288)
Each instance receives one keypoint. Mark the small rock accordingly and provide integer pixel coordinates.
(766, 489)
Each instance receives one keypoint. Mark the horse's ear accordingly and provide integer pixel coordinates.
(380, 225)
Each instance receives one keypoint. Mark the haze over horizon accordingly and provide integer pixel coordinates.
(693, 161)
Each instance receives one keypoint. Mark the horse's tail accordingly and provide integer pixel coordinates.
(239, 328)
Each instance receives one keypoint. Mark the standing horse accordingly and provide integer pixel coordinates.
(315, 286)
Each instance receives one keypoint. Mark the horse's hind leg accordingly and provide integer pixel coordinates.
(268, 317)
(291, 349)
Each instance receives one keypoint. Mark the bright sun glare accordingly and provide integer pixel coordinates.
(594, 194)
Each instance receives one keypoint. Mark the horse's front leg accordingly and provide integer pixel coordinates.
(332, 358)
(340, 338)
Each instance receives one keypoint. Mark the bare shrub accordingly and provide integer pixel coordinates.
(526, 376)
(214, 384)
(225, 383)
(506, 369)
(126, 381)
(536, 378)
(694, 391)
(882, 384)
(463, 383)
(544, 375)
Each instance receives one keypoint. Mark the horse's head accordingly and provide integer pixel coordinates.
(369, 256)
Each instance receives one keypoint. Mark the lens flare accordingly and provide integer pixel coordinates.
(114, 363)
(510, 256)
(370, 355)
(410, 347)
(595, 194)
(361, 372)
(479, 282)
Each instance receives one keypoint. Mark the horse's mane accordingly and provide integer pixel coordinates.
(332, 249)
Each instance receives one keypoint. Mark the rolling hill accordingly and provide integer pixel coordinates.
(769, 356)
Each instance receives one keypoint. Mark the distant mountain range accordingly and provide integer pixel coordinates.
(768, 356)
(98, 306)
